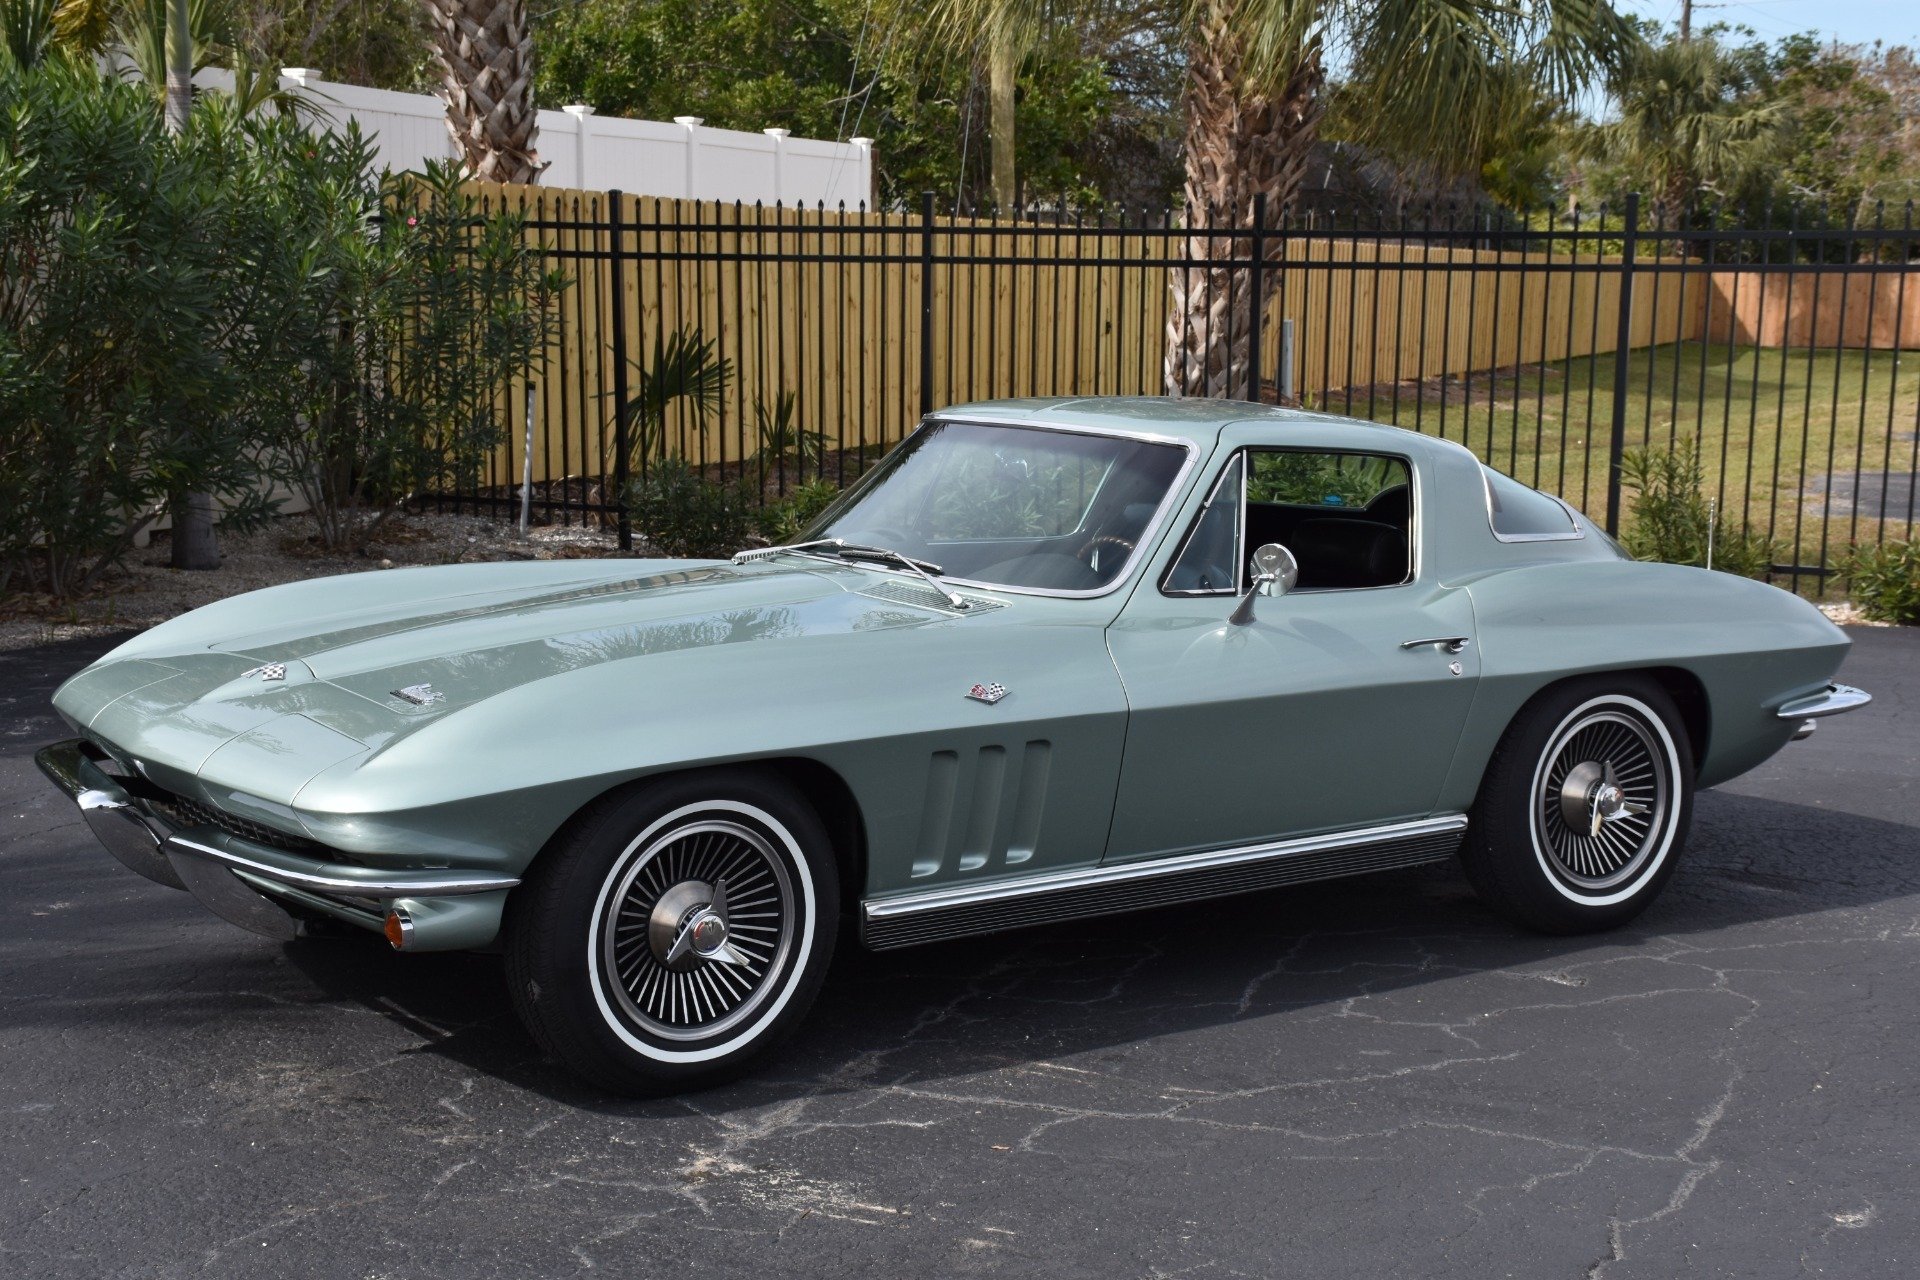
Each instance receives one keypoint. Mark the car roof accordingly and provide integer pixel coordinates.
(1193, 419)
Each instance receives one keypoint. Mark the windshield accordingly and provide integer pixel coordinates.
(1010, 506)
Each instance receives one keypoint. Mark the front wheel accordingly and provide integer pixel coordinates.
(676, 931)
(1585, 806)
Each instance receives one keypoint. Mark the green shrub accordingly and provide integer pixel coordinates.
(132, 319)
(1885, 581)
(686, 515)
(1669, 518)
(782, 437)
(782, 521)
(416, 310)
(228, 308)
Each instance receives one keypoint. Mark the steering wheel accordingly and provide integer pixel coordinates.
(1098, 540)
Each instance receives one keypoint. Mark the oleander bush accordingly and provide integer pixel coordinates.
(244, 306)
(1884, 581)
(783, 521)
(418, 311)
(1670, 519)
(127, 319)
(684, 515)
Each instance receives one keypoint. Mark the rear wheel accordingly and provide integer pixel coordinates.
(1585, 806)
(676, 932)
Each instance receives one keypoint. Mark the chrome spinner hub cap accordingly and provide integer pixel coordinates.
(699, 926)
(1603, 799)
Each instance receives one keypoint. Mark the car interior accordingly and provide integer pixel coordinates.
(1348, 527)
(1338, 547)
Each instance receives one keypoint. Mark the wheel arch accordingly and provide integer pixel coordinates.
(1688, 691)
(822, 787)
(1689, 694)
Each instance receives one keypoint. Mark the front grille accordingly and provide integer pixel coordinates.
(183, 812)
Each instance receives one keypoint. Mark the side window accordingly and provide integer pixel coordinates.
(1208, 560)
(1347, 518)
(1520, 514)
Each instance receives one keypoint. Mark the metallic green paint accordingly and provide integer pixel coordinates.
(1136, 724)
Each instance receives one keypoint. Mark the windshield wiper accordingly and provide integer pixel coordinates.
(860, 551)
(762, 553)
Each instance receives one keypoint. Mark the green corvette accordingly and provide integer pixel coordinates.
(1049, 659)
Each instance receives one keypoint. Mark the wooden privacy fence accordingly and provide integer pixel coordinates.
(1550, 347)
(863, 318)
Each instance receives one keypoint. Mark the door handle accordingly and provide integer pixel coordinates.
(1452, 644)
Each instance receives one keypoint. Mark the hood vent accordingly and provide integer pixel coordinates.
(925, 597)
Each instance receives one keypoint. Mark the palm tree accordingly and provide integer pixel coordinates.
(1004, 32)
(1679, 124)
(1433, 71)
(486, 60)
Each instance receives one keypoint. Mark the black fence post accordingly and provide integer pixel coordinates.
(619, 281)
(926, 303)
(1617, 441)
(1256, 306)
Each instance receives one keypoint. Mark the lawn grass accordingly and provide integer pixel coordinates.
(1782, 432)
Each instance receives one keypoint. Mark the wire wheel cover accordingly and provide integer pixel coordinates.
(698, 929)
(1603, 799)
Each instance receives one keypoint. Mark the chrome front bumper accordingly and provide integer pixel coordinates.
(1831, 701)
(246, 882)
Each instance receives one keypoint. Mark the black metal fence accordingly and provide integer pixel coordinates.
(774, 347)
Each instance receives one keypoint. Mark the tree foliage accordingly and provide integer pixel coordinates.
(240, 305)
(1095, 113)
(132, 311)
(1730, 128)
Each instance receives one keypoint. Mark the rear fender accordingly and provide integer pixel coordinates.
(1750, 646)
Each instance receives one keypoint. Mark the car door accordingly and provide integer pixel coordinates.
(1326, 711)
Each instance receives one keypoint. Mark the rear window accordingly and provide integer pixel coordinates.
(1520, 514)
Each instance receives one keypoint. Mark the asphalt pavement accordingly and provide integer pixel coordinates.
(1369, 1078)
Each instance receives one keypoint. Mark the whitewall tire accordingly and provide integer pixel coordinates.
(676, 931)
(1584, 808)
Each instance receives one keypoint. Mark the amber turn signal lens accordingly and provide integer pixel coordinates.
(399, 929)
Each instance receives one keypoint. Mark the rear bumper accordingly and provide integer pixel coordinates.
(247, 882)
(1830, 701)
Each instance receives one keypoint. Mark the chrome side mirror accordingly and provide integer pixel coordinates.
(1275, 572)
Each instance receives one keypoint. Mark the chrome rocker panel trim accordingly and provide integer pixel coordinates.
(1831, 701)
(938, 914)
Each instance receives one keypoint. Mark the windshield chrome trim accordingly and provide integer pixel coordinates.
(1176, 490)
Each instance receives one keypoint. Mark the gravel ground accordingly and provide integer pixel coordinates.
(145, 590)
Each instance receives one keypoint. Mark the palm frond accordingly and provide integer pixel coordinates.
(84, 26)
(26, 32)
(686, 367)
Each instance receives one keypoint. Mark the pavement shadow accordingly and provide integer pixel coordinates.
(955, 1009)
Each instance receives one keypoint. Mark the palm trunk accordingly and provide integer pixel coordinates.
(1003, 65)
(486, 60)
(1238, 144)
(195, 545)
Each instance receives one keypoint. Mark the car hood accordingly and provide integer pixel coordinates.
(273, 688)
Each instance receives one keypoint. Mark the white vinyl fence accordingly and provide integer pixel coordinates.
(683, 158)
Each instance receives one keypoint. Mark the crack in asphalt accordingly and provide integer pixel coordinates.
(1366, 1078)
